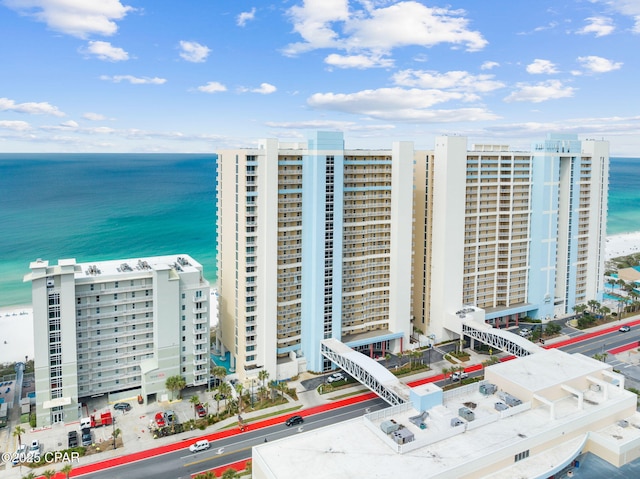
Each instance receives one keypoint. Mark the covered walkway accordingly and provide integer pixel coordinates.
(364, 369)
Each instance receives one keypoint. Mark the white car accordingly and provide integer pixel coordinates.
(335, 377)
(525, 333)
(458, 375)
(199, 446)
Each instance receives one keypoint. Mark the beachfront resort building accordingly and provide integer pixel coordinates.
(117, 328)
(531, 417)
(515, 233)
(314, 242)
(379, 247)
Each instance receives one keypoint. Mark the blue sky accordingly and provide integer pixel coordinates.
(202, 75)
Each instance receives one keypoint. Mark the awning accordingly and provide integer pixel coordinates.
(57, 402)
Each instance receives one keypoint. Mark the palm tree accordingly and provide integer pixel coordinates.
(239, 388)
(230, 473)
(593, 304)
(263, 376)
(66, 470)
(49, 473)
(30, 475)
(225, 390)
(18, 432)
(194, 400)
(219, 372)
(175, 383)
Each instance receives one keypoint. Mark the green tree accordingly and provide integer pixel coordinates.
(239, 388)
(116, 433)
(175, 383)
(30, 475)
(230, 473)
(219, 372)
(194, 400)
(18, 432)
(49, 473)
(225, 390)
(66, 470)
(263, 376)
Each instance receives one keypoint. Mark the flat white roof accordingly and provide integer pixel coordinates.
(547, 368)
(359, 448)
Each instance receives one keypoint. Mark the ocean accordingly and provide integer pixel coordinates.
(94, 207)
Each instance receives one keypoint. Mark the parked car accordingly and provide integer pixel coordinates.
(34, 449)
(335, 377)
(200, 410)
(199, 446)
(21, 454)
(624, 329)
(459, 375)
(73, 438)
(525, 333)
(293, 420)
(122, 406)
(160, 419)
(171, 417)
(87, 440)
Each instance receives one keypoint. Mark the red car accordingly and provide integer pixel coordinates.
(160, 419)
(200, 410)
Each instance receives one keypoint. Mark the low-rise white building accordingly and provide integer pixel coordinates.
(530, 417)
(114, 326)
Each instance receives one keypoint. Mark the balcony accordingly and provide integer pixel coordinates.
(200, 341)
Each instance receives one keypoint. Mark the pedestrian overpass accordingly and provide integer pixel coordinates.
(382, 382)
(366, 370)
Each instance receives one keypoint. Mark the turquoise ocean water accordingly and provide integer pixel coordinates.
(102, 206)
(96, 207)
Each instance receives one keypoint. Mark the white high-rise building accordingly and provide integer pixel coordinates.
(116, 327)
(317, 241)
(515, 233)
(314, 242)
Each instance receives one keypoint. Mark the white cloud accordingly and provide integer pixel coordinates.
(69, 124)
(244, 17)
(453, 80)
(488, 65)
(543, 91)
(313, 22)
(264, 89)
(79, 18)
(212, 87)
(597, 64)
(14, 125)
(94, 116)
(105, 51)
(330, 24)
(630, 8)
(194, 51)
(399, 104)
(358, 61)
(31, 108)
(541, 66)
(134, 80)
(600, 26)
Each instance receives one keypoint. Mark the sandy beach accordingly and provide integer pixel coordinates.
(622, 245)
(16, 333)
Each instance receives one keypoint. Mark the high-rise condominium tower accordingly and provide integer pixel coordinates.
(115, 326)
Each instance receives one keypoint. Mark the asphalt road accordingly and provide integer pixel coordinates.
(182, 464)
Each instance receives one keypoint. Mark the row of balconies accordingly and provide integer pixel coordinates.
(109, 288)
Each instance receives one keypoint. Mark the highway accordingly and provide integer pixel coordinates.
(182, 464)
